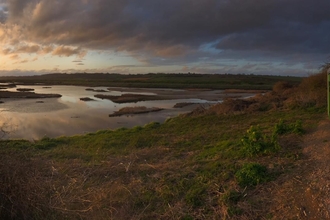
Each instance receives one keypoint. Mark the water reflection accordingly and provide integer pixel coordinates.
(68, 115)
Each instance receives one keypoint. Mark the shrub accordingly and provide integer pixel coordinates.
(255, 142)
(281, 128)
(251, 174)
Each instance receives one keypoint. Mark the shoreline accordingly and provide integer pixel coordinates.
(208, 95)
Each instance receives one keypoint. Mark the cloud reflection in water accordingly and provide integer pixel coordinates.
(70, 116)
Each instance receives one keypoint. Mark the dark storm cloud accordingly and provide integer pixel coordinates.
(174, 28)
(3, 16)
(139, 24)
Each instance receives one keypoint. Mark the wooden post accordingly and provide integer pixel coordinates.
(328, 92)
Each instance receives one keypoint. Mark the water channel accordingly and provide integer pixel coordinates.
(52, 117)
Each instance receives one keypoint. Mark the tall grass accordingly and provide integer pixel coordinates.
(313, 90)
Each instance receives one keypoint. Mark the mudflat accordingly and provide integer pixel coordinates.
(134, 111)
(167, 94)
(27, 95)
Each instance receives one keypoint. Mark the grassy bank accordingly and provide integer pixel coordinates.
(186, 168)
(217, 163)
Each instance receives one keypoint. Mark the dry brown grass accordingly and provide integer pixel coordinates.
(40, 188)
(311, 92)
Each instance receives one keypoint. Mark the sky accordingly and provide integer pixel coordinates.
(269, 37)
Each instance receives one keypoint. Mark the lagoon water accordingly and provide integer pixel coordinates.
(52, 117)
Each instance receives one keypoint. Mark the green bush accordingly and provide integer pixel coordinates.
(251, 174)
(255, 142)
(281, 128)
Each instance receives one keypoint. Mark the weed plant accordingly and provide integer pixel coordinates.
(256, 142)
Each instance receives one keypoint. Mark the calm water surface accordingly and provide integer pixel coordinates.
(30, 119)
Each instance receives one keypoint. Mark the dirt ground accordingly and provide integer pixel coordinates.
(304, 192)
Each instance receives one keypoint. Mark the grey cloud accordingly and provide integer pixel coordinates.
(176, 29)
(155, 25)
(281, 38)
(3, 16)
(16, 8)
(28, 49)
(134, 25)
(22, 49)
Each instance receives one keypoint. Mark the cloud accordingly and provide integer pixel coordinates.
(18, 72)
(68, 51)
(172, 31)
(14, 57)
(3, 16)
(27, 49)
(21, 49)
(22, 61)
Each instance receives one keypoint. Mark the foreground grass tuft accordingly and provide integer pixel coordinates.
(251, 174)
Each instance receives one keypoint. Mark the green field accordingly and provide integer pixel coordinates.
(210, 81)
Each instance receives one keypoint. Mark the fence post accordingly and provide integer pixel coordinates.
(328, 92)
